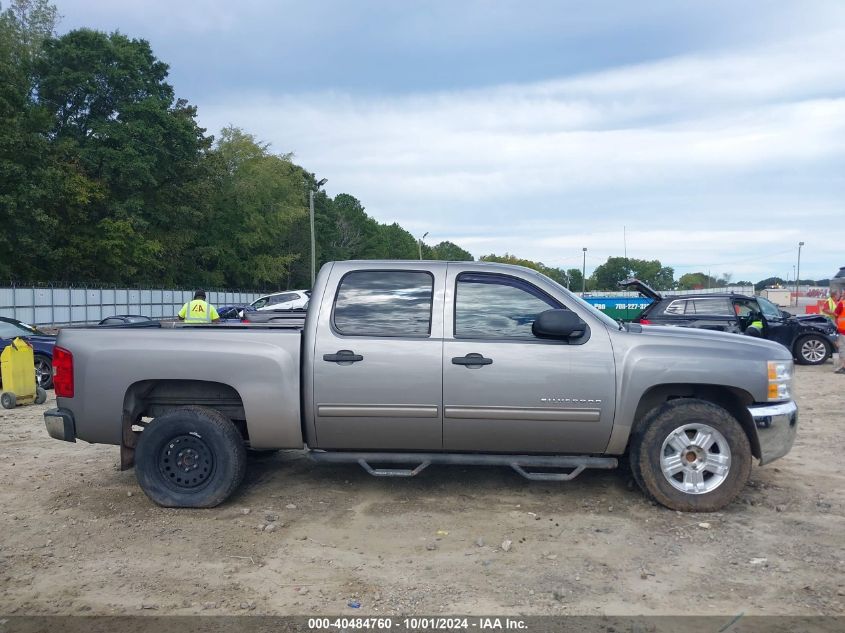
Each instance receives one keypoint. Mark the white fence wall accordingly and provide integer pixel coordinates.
(69, 306)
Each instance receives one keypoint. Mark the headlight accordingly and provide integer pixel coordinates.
(780, 380)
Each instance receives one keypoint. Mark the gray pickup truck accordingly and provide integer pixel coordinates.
(404, 364)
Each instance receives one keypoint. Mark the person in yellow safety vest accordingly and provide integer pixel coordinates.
(829, 306)
(745, 310)
(198, 310)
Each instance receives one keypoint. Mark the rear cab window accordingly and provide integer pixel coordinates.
(385, 303)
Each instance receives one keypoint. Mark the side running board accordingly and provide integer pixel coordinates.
(525, 465)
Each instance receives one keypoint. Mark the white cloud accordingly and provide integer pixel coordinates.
(697, 150)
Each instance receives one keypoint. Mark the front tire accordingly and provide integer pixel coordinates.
(811, 350)
(690, 455)
(192, 457)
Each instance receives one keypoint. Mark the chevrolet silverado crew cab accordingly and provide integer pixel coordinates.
(404, 364)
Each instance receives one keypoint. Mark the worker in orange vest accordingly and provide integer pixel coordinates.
(840, 327)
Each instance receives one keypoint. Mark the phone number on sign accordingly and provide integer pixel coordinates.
(388, 623)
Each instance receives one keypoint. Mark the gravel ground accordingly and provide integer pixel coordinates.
(79, 537)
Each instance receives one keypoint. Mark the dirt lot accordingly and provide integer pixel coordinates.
(79, 537)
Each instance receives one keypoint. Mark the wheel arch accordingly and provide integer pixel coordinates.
(734, 400)
(151, 398)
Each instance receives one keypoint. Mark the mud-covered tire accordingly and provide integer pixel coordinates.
(40, 395)
(192, 457)
(659, 434)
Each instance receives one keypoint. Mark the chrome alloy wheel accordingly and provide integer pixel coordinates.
(813, 350)
(695, 458)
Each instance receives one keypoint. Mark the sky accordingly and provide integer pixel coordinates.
(708, 135)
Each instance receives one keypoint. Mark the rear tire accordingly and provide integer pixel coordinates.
(690, 455)
(811, 350)
(40, 396)
(192, 457)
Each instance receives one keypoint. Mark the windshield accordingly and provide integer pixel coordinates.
(10, 329)
(31, 329)
(589, 308)
(770, 310)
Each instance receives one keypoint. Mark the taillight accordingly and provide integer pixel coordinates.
(645, 322)
(62, 372)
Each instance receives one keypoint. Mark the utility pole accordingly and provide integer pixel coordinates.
(798, 271)
(313, 235)
(584, 273)
(419, 243)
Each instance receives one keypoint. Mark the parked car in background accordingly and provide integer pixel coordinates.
(289, 299)
(42, 347)
(294, 318)
(234, 313)
(811, 340)
(124, 319)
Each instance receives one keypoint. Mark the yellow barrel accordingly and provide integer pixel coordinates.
(17, 367)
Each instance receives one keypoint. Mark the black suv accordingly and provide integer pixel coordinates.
(811, 338)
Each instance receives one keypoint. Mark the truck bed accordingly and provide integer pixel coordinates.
(260, 364)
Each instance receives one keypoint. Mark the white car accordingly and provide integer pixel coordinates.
(288, 300)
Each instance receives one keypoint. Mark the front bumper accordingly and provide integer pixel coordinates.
(776, 426)
(60, 424)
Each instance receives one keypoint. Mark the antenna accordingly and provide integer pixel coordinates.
(625, 243)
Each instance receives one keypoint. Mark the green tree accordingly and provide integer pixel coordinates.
(608, 275)
(257, 206)
(696, 281)
(132, 155)
(447, 251)
(575, 277)
(557, 274)
(30, 181)
(769, 282)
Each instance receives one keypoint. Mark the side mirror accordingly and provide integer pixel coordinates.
(558, 324)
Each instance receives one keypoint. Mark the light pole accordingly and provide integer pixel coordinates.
(584, 273)
(798, 271)
(419, 243)
(320, 183)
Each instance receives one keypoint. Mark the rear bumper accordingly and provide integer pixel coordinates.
(776, 426)
(60, 424)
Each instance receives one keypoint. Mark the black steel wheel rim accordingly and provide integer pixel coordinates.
(186, 462)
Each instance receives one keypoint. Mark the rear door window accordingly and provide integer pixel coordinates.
(384, 303)
(715, 306)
